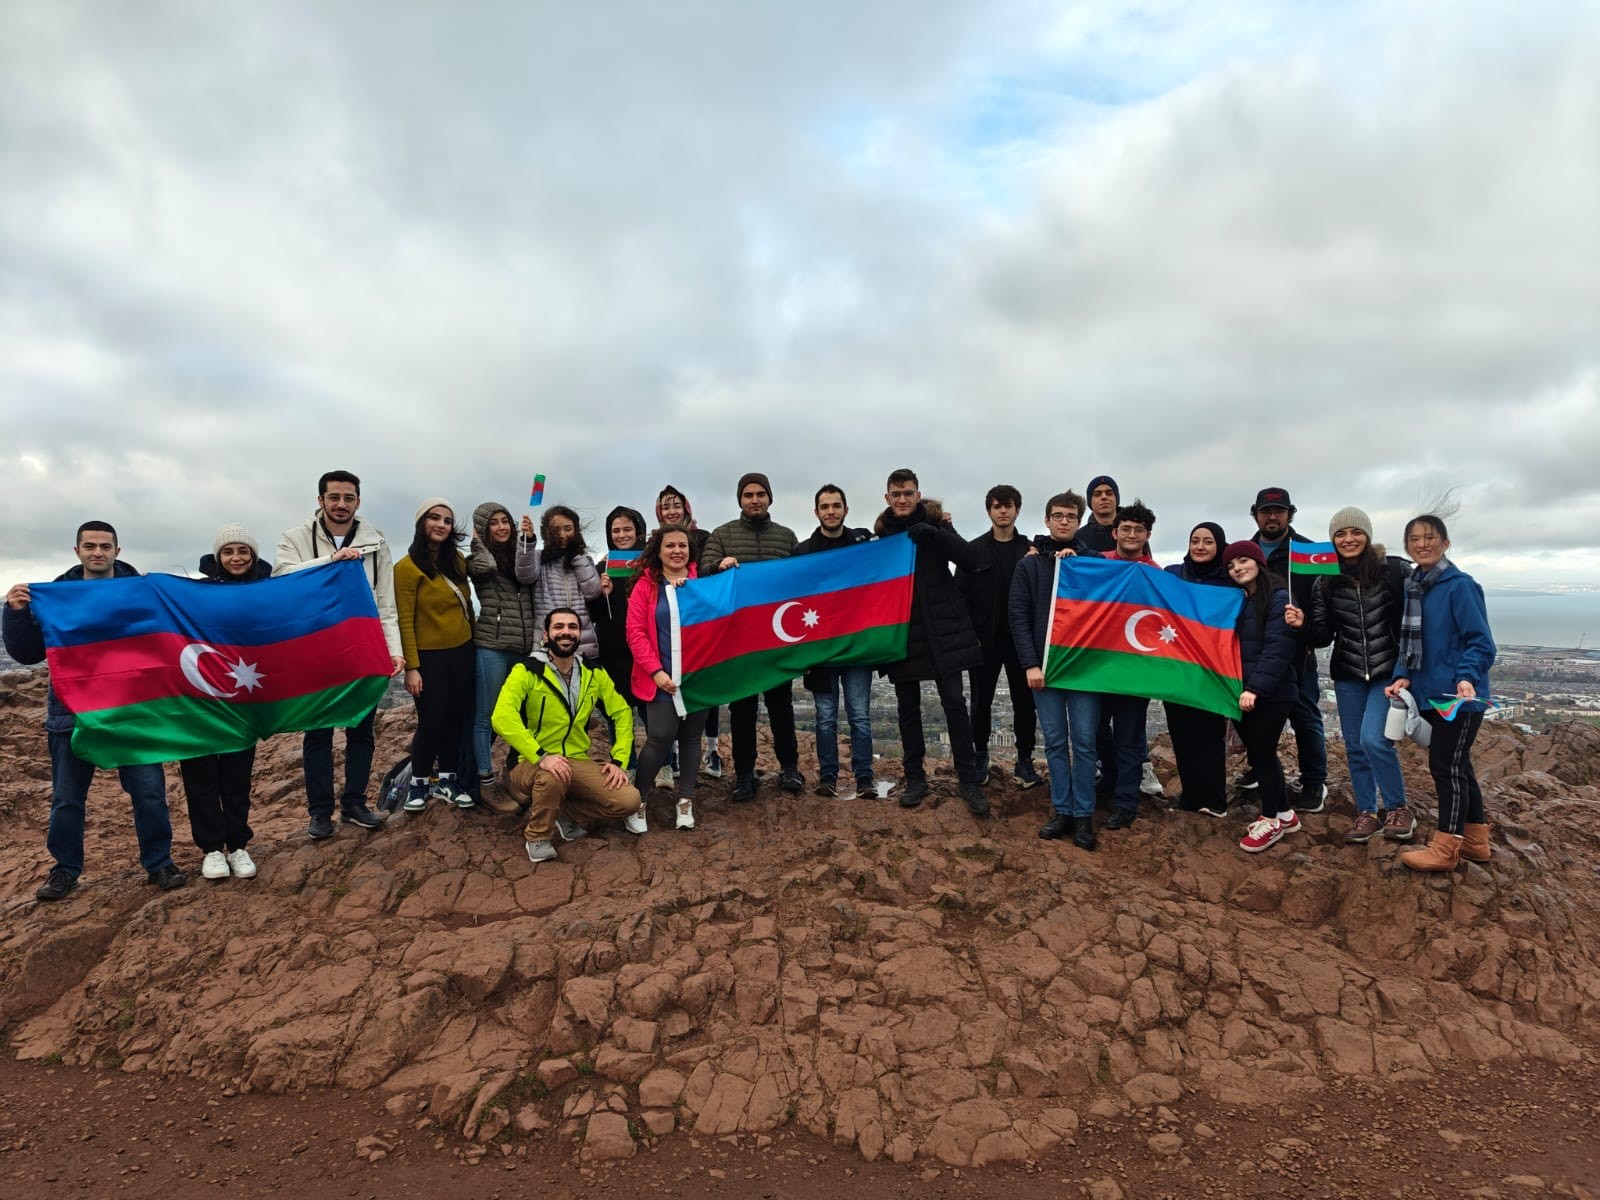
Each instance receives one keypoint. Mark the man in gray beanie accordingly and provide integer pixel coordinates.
(754, 536)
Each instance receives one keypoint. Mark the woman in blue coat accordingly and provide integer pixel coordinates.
(1267, 653)
(1446, 651)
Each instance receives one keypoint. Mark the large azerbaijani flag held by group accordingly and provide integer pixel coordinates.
(1136, 631)
(743, 631)
(156, 668)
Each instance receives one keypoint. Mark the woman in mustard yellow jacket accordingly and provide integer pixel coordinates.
(435, 610)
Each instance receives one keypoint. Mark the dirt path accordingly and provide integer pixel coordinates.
(1518, 1132)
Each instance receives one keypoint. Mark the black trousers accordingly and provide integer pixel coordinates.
(318, 759)
(983, 680)
(664, 729)
(1260, 730)
(780, 715)
(914, 748)
(444, 709)
(217, 788)
(1450, 764)
(1200, 744)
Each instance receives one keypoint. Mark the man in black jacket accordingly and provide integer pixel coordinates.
(825, 683)
(70, 776)
(1273, 513)
(987, 592)
(941, 643)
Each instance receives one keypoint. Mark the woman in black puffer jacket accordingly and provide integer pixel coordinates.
(1358, 612)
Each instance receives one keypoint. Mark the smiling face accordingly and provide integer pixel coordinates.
(438, 525)
(1350, 542)
(1132, 538)
(624, 535)
(236, 558)
(1425, 544)
(1244, 571)
(831, 512)
(500, 528)
(1272, 521)
(671, 506)
(562, 634)
(903, 498)
(1202, 546)
(339, 503)
(675, 553)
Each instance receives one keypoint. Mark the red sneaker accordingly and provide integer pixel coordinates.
(1292, 825)
(1264, 832)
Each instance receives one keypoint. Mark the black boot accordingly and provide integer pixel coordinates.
(1083, 836)
(744, 787)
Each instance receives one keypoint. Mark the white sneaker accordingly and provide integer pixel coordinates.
(1149, 784)
(241, 864)
(685, 815)
(569, 829)
(541, 851)
(214, 865)
(635, 822)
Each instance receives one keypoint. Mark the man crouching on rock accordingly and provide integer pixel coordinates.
(70, 776)
(543, 714)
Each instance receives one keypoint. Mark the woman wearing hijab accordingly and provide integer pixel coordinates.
(1200, 738)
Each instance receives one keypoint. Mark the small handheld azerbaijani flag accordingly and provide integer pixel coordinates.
(622, 564)
(1313, 558)
(536, 497)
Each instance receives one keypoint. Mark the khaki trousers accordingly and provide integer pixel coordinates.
(585, 798)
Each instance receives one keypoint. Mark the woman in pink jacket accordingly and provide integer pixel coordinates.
(666, 562)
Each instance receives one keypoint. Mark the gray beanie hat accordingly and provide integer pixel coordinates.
(234, 532)
(1350, 518)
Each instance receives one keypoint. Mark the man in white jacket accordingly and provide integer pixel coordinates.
(333, 534)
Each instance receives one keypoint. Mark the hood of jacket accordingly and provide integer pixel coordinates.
(927, 511)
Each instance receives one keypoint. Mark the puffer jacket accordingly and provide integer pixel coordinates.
(562, 584)
(1268, 649)
(505, 606)
(1361, 623)
(748, 541)
(941, 641)
(24, 641)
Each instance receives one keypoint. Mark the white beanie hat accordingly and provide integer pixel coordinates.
(433, 502)
(234, 532)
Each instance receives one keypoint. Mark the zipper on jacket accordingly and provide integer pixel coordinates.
(1361, 621)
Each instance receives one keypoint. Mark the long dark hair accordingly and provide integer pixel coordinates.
(650, 559)
(448, 560)
(573, 548)
(1366, 568)
(1260, 600)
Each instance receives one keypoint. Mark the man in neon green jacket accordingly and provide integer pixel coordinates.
(543, 714)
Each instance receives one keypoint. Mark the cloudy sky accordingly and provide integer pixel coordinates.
(1205, 247)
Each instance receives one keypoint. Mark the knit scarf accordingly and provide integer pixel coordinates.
(1411, 620)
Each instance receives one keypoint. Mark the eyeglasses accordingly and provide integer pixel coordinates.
(1126, 528)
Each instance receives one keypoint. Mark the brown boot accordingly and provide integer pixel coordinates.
(1475, 845)
(499, 801)
(1440, 854)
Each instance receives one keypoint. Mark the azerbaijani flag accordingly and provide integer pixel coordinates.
(536, 493)
(1313, 558)
(156, 668)
(743, 631)
(1131, 629)
(622, 564)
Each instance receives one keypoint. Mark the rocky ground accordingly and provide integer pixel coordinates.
(819, 991)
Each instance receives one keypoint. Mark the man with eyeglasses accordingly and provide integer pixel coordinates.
(941, 644)
(1123, 749)
(1273, 513)
(334, 534)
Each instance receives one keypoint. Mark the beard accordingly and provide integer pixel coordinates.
(563, 645)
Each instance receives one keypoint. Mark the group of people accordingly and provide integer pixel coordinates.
(504, 628)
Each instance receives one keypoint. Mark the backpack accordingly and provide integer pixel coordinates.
(394, 786)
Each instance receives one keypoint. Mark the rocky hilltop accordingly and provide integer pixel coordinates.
(911, 984)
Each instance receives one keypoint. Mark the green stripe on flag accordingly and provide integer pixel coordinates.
(751, 674)
(1127, 674)
(179, 727)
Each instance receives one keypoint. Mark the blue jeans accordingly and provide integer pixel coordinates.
(1305, 718)
(857, 687)
(1069, 719)
(70, 777)
(1374, 765)
(493, 667)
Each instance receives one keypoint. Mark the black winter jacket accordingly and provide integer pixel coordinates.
(819, 541)
(1268, 649)
(988, 591)
(1361, 623)
(941, 640)
(1300, 589)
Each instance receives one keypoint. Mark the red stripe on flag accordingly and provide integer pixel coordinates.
(838, 614)
(135, 670)
(1109, 625)
(1323, 558)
